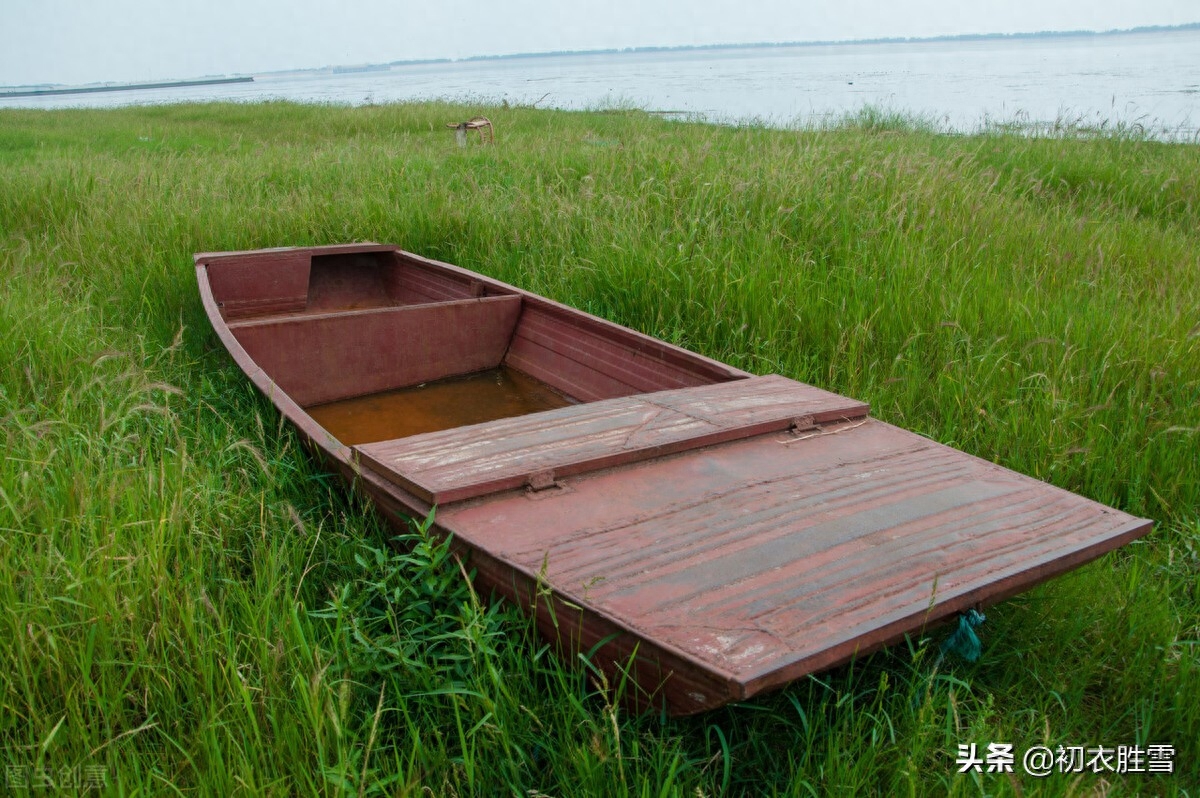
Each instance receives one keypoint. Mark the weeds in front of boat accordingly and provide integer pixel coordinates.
(192, 604)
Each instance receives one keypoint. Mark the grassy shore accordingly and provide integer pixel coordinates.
(190, 604)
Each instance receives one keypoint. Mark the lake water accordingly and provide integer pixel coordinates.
(1146, 79)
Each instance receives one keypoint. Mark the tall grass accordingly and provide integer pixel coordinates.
(192, 605)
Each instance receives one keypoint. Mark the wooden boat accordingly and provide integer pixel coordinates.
(710, 533)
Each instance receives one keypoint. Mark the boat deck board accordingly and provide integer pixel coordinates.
(470, 461)
(765, 559)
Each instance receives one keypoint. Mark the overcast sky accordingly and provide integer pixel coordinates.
(85, 41)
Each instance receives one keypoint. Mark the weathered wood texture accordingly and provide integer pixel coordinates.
(416, 282)
(258, 282)
(352, 281)
(326, 357)
(728, 565)
(762, 560)
(272, 283)
(594, 361)
(475, 460)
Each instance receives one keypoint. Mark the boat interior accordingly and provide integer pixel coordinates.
(453, 386)
(381, 345)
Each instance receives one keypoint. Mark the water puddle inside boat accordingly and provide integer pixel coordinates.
(472, 399)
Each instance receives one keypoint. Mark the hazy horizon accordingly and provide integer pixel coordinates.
(681, 47)
(77, 42)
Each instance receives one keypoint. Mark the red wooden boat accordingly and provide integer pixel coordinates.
(711, 533)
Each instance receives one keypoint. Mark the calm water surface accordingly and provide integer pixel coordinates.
(1147, 79)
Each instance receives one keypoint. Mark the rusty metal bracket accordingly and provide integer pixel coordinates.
(802, 424)
(541, 480)
(543, 485)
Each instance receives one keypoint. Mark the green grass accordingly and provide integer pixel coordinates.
(191, 605)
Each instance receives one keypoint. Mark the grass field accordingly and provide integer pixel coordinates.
(189, 604)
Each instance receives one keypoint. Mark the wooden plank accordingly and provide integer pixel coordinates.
(590, 362)
(330, 356)
(414, 282)
(257, 255)
(705, 369)
(270, 283)
(350, 281)
(471, 461)
(765, 559)
(257, 282)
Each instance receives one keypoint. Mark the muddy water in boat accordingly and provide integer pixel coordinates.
(473, 399)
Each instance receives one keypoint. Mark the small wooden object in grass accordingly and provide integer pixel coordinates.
(481, 123)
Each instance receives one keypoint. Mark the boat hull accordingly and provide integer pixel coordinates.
(709, 533)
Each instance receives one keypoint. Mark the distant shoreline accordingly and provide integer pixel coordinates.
(166, 84)
(956, 37)
(339, 69)
(685, 48)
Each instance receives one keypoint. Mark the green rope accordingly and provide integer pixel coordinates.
(964, 642)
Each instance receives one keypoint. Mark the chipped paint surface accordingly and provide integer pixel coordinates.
(760, 561)
(476, 460)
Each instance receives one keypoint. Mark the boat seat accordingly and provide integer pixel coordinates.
(537, 450)
(324, 357)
